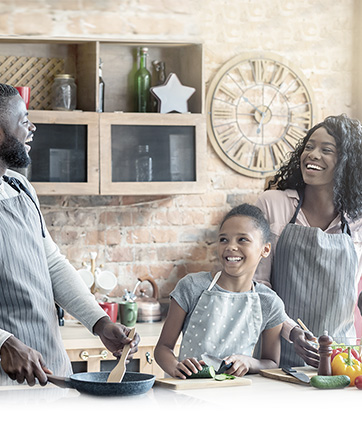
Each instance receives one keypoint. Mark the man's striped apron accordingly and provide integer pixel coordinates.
(27, 306)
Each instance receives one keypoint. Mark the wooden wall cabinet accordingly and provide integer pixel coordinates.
(79, 159)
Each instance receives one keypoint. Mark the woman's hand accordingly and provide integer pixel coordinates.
(304, 349)
(240, 365)
(187, 367)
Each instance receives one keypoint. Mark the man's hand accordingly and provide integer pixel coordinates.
(115, 337)
(22, 363)
(304, 349)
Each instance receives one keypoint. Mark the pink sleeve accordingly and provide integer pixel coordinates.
(263, 271)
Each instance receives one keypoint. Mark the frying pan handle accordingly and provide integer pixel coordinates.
(62, 382)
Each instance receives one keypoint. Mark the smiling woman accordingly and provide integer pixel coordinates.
(318, 193)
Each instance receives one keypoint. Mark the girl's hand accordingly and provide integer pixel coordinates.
(187, 366)
(240, 365)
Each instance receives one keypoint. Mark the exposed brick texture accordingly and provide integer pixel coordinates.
(167, 237)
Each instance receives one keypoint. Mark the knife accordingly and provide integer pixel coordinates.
(299, 375)
(217, 363)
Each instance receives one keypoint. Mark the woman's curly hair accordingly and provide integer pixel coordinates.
(347, 133)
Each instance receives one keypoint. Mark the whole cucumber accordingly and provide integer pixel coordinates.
(206, 372)
(330, 382)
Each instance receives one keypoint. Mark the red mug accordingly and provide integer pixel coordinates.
(25, 94)
(111, 309)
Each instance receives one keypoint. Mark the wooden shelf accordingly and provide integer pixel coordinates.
(80, 57)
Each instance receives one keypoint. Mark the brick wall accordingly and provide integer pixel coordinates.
(167, 237)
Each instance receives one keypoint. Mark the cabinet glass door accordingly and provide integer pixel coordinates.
(143, 154)
(153, 153)
(64, 153)
(59, 154)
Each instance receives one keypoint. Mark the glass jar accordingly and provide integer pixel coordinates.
(64, 93)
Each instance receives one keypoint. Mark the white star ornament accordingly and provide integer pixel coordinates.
(172, 95)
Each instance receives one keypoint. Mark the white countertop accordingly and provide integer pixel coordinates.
(266, 402)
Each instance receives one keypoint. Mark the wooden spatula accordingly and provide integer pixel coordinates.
(119, 370)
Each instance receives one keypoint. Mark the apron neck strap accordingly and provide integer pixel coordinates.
(344, 224)
(213, 283)
(216, 278)
(301, 198)
(18, 186)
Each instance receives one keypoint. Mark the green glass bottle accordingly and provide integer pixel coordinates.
(142, 83)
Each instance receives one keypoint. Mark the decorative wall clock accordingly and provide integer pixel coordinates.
(259, 107)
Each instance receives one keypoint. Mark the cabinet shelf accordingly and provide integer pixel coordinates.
(84, 152)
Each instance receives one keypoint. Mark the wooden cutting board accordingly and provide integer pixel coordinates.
(198, 383)
(278, 374)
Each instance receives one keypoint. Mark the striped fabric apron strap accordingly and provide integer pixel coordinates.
(18, 186)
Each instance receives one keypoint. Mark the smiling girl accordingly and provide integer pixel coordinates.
(315, 217)
(224, 314)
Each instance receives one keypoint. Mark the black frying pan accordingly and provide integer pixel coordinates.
(95, 383)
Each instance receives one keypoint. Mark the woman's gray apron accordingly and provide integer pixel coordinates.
(27, 306)
(314, 274)
(222, 324)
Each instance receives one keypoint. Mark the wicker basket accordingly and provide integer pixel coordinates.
(35, 72)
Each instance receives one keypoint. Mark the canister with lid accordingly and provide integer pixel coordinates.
(64, 93)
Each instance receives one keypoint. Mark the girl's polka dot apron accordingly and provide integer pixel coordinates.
(222, 324)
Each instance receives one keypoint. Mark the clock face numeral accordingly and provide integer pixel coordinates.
(295, 89)
(258, 70)
(304, 117)
(279, 151)
(263, 159)
(223, 113)
(230, 93)
(238, 150)
(279, 75)
(259, 108)
(228, 138)
(294, 134)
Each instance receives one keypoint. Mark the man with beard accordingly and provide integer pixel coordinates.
(34, 275)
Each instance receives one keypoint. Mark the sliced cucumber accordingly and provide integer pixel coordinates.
(330, 382)
(222, 377)
(206, 372)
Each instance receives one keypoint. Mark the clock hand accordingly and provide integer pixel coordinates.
(261, 122)
(272, 99)
(248, 101)
(263, 114)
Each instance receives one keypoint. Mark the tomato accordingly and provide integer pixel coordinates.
(358, 382)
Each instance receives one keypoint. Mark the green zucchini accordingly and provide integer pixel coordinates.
(206, 372)
(330, 382)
